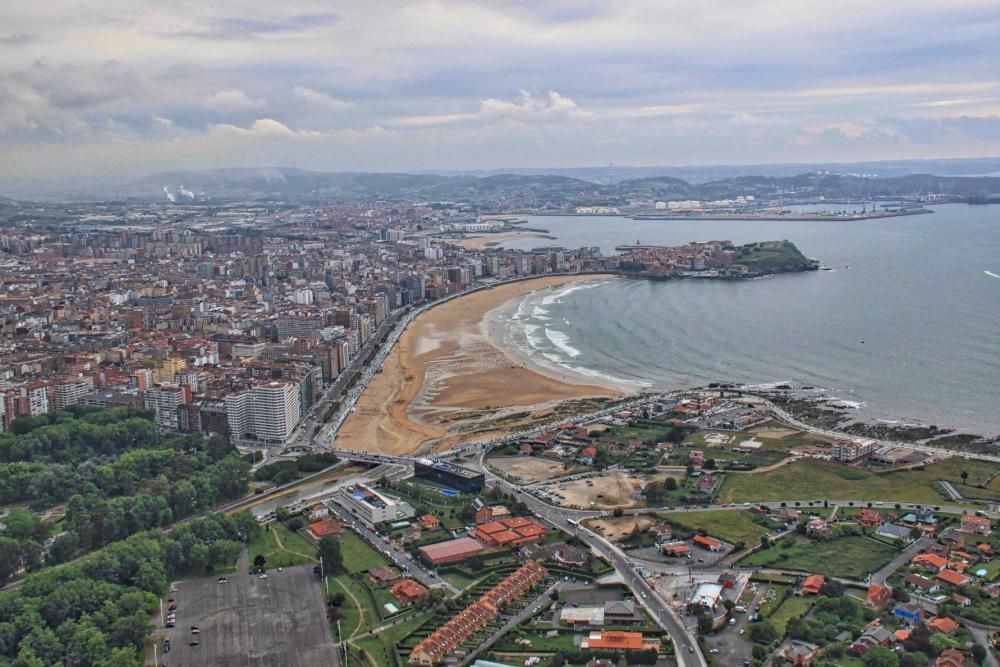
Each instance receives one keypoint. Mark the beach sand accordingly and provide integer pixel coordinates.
(444, 369)
(493, 240)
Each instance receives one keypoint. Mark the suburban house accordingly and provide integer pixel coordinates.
(922, 584)
(874, 635)
(819, 527)
(973, 523)
(909, 612)
(798, 653)
(429, 522)
(950, 657)
(894, 532)
(408, 591)
(327, 527)
(676, 549)
(931, 562)
(813, 584)
(868, 517)
(943, 624)
(878, 596)
(953, 578)
(383, 575)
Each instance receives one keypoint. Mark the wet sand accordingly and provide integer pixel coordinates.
(493, 240)
(444, 367)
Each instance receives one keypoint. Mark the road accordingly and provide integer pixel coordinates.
(398, 557)
(901, 559)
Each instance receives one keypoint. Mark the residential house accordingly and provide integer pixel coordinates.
(950, 657)
(868, 517)
(922, 584)
(953, 578)
(617, 640)
(909, 612)
(877, 597)
(874, 635)
(525, 449)
(383, 575)
(429, 522)
(788, 515)
(894, 531)
(931, 562)
(408, 591)
(327, 527)
(943, 624)
(798, 653)
(819, 528)
(813, 584)
(973, 523)
(696, 458)
(676, 550)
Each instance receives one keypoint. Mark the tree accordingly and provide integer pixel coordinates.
(728, 604)
(879, 656)
(979, 653)
(941, 642)
(670, 484)
(259, 561)
(705, 623)
(328, 551)
(763, 632)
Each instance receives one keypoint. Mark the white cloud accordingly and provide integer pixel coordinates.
(265, 128)
(528, 108)
(319, 99)
(232, 100)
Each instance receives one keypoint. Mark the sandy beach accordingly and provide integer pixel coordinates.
(492, 240)
(444, 370)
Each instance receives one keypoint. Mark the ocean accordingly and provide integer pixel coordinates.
(906, 327)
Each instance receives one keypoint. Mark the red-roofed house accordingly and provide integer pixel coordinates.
(326, 528)
(950, 657)
(707, 543)
(931, 562)
(408, 591)
(943, 624)
(878, 596)
(813, 584)
(429, 522)
(980, 525)
(867, 517)
(953, 578)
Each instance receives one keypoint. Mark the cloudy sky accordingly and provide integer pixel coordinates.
(129, 87)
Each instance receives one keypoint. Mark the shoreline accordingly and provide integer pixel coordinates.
(445, 370)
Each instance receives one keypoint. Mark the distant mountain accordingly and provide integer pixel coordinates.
(519, 190)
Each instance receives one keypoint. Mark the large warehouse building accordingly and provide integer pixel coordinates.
(451, 551)
(372, 506)
(450, 475)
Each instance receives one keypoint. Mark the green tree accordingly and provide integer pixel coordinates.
(879, 656)
(763, 632)
(259, 561)
(328, 551)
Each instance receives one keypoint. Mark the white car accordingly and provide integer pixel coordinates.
(263, 576)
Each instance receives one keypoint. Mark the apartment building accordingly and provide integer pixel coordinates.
(71, 391)
(264, 414)
(374, 507)
(164, 400)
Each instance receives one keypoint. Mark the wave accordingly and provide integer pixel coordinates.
(990, 273)
(561, 341)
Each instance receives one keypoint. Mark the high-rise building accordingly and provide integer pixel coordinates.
(265, 414)
(163, 400)
(72, 390)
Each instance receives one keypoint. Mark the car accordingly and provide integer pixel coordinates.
(195, 627)
(732, 621)
(169, 624)
(690, 649)
(263, 576)
(713, 650)
(742, 630)
(222, 580)
(192, 643)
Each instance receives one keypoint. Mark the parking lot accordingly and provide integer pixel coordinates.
(280, 620)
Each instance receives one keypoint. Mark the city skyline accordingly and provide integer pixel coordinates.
(136, 88)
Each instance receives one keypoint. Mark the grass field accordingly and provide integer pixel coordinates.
(849, 557)
(281, 547)
(539, 642)
(358, 556)
(461, 581)
(793, 607)
(812, 479)
(729, 525)
(359, 614)
(381, 647)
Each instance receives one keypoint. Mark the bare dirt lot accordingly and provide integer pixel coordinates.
(617, 527)
(531, 469)
(608, 492)
(279, 621)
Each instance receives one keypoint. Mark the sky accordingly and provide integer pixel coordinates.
(124, 88)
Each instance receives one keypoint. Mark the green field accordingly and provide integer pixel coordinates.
(359, 613)
(728, 525)
(812, 479)
(281, 547)
(849, 557)
(793, 607)
(539, 642)
(382, 647)
(358, 556)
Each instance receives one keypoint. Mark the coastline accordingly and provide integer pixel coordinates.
(445, 369)
(496, 240)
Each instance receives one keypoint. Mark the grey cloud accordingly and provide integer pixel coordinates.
(18, 39)
(81, 86)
